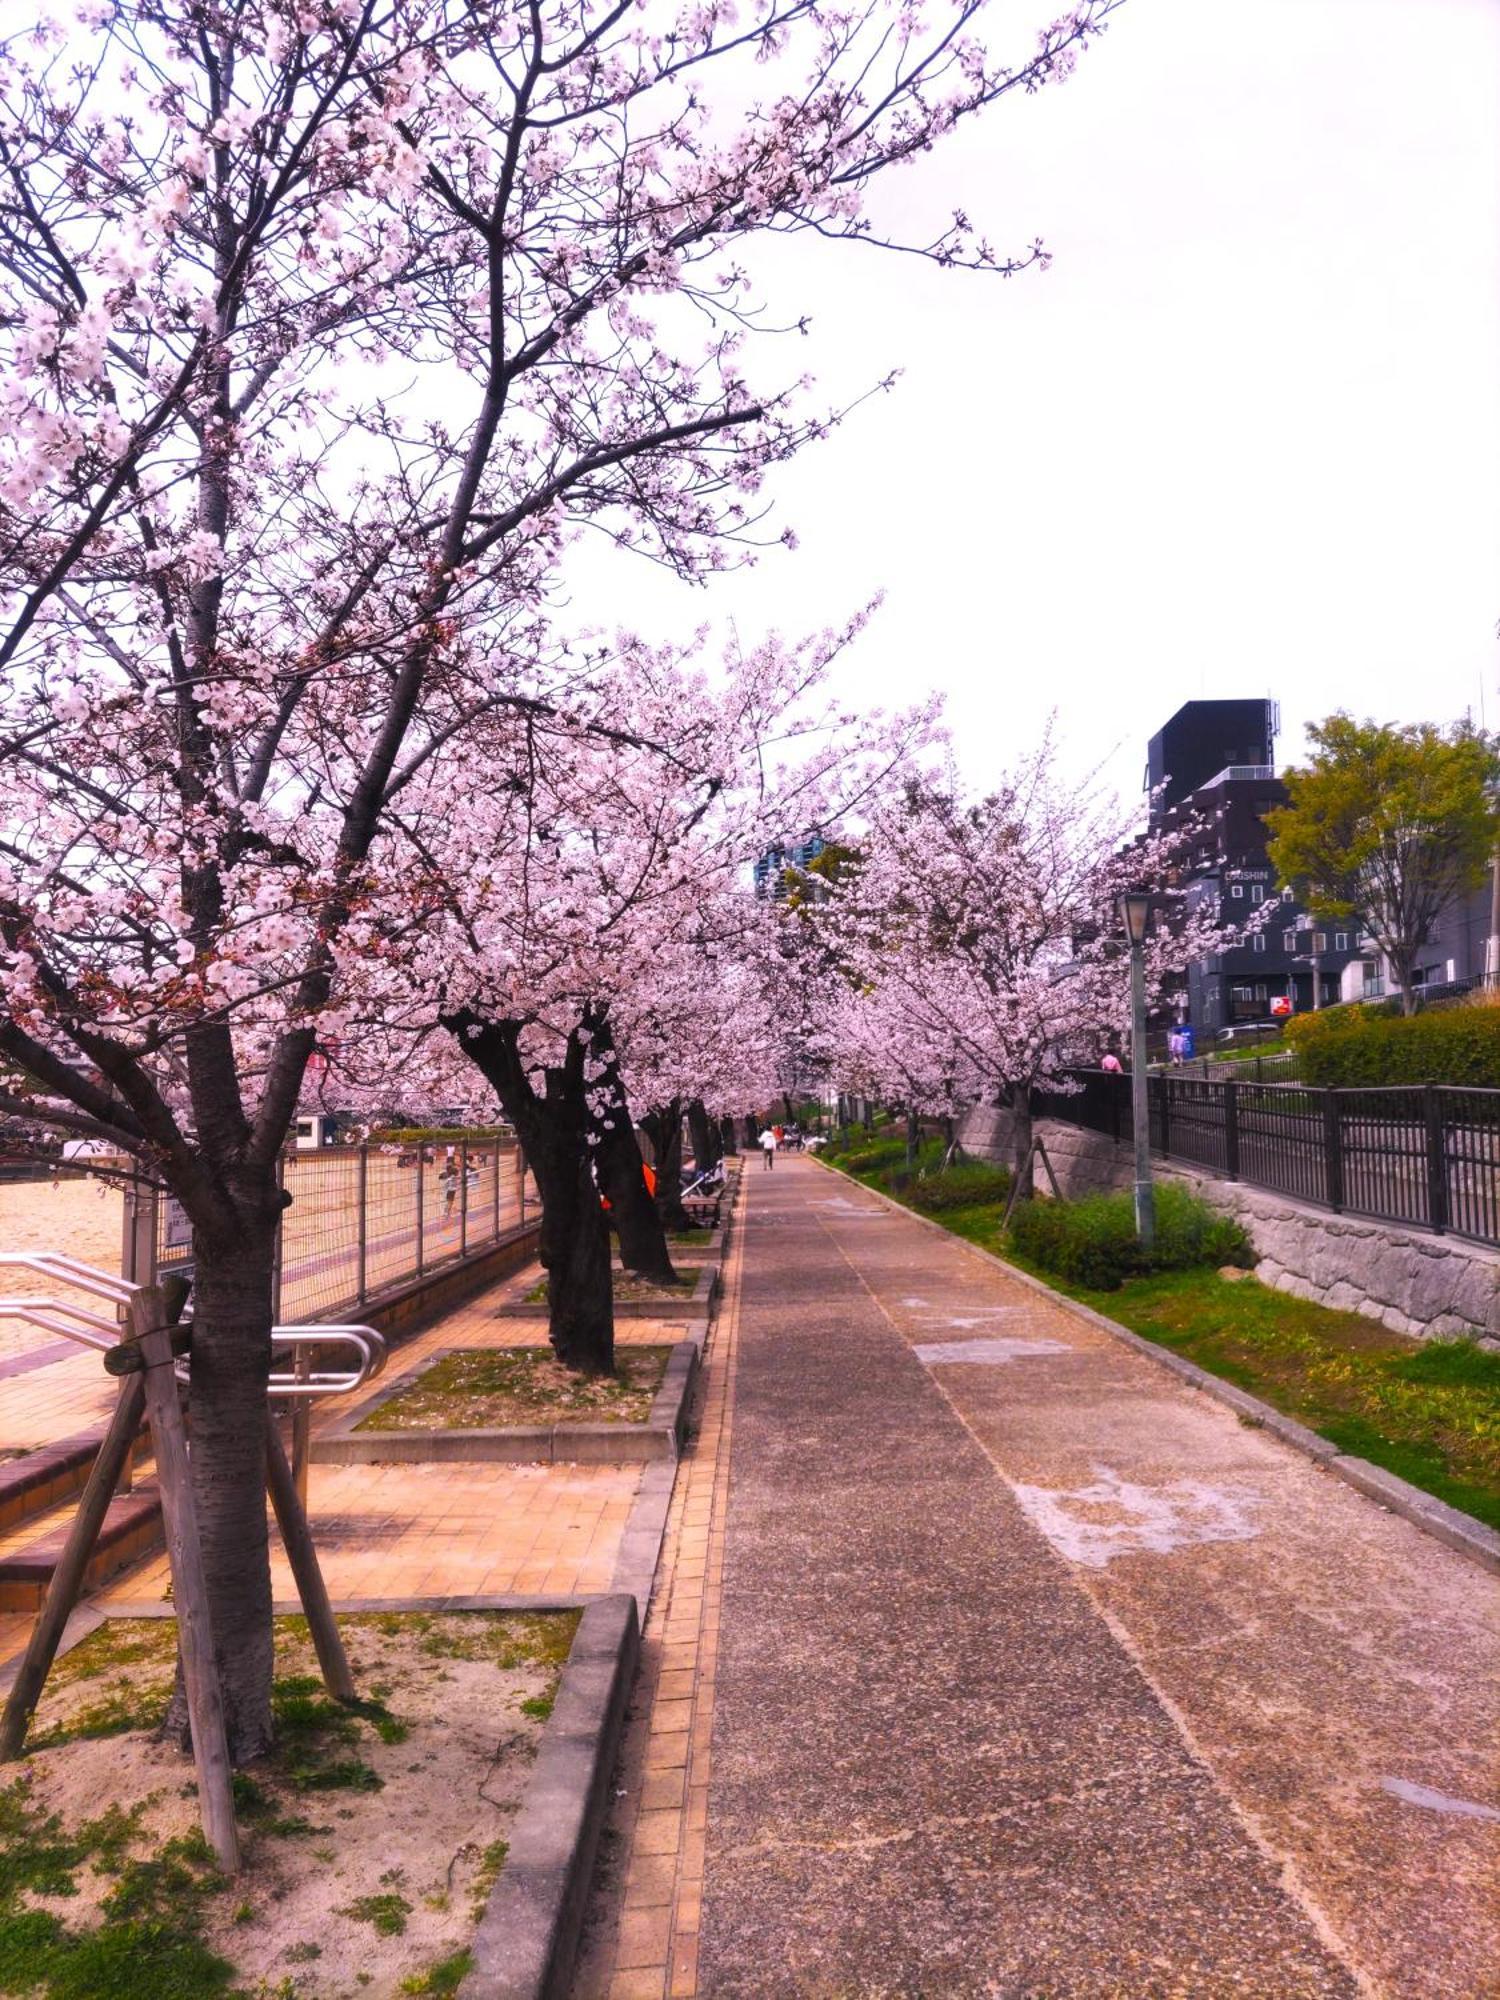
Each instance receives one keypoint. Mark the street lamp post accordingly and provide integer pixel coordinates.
(1135, 909)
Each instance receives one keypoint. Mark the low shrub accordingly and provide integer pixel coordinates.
(1093, 1242)
(966, 1184)
(1347, 1047)
(874, 1156)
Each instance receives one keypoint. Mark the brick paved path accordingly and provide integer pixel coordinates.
(1033, 1672)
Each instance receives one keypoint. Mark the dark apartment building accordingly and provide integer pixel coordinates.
(1215, 761)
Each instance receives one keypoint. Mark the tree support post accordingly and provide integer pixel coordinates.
(67, 1578)
(302, 1555)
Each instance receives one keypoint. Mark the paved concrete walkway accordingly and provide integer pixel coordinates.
(1033, 1672)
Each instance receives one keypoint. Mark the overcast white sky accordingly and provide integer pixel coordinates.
(1243, 438)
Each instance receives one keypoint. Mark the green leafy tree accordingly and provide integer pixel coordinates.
(1390, 825)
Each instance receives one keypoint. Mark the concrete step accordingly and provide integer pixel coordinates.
(132, 1528)
(37, 1481)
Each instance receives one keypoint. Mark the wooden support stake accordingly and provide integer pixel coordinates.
(301, 1426)
(301, 1553)
(189, 1582)
(67, 1578)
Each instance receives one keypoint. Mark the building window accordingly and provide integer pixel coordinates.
(1257, 894)
(1260, 989)
(1289, 940)
(1237, 890)
(1341, 940)
(1259, 941)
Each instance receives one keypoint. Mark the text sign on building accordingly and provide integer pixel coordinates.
(179, 1227)
(1281, 1006)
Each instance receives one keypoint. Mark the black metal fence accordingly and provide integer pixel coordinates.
(1425, 1155)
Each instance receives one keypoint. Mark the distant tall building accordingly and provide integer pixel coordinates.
(1207, 740)
(772, 868)
(1215, 760)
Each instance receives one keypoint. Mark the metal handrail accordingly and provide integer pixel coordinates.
(57, 1316)
(92, 1330)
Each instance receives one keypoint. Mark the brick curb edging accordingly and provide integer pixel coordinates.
(1459, 1531)
(527, 1940)
(660, 1437)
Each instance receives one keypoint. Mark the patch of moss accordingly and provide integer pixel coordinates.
(486, 1876)
(386, 1913)
(148, 1944)
(442, 1980)
(510, 1639)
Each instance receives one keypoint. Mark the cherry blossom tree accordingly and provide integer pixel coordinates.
(322, 328)
(984, 944)
(602, 954)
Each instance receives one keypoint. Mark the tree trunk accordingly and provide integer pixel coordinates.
(663, 1127)
(554, 1132)
(1019, 1100)
(231, 1314)
(632, 1212)
(913, 1138)
(1402, 970)
(728, 1139)
(791, 1115)
(706, 1149)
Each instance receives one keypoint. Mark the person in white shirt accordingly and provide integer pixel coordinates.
(768, 1147)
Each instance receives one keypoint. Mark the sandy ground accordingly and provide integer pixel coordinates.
(84, 1218)
(446, 1791)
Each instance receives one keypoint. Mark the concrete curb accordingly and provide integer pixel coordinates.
(660, 1437)
(527, 1939)
(1459, 1531)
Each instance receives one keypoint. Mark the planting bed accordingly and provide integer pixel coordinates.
(491, 1388)
(518, 1405)
(634, 1298)
(373, 1837)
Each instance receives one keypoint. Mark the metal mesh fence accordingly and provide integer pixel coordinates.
(365, 1218)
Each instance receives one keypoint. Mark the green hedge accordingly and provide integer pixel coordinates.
(1093, 1242)
(1344, 1047)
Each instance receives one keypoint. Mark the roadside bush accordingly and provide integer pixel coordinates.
(966, 1184)
(1346, 1047)
(1093, 1242)
(873, 1156)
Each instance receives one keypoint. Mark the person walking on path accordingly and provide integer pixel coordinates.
(768, 1146)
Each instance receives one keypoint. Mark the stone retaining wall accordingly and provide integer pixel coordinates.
(1413, 1282)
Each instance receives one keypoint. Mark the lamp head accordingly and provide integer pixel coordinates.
(1135, 912)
